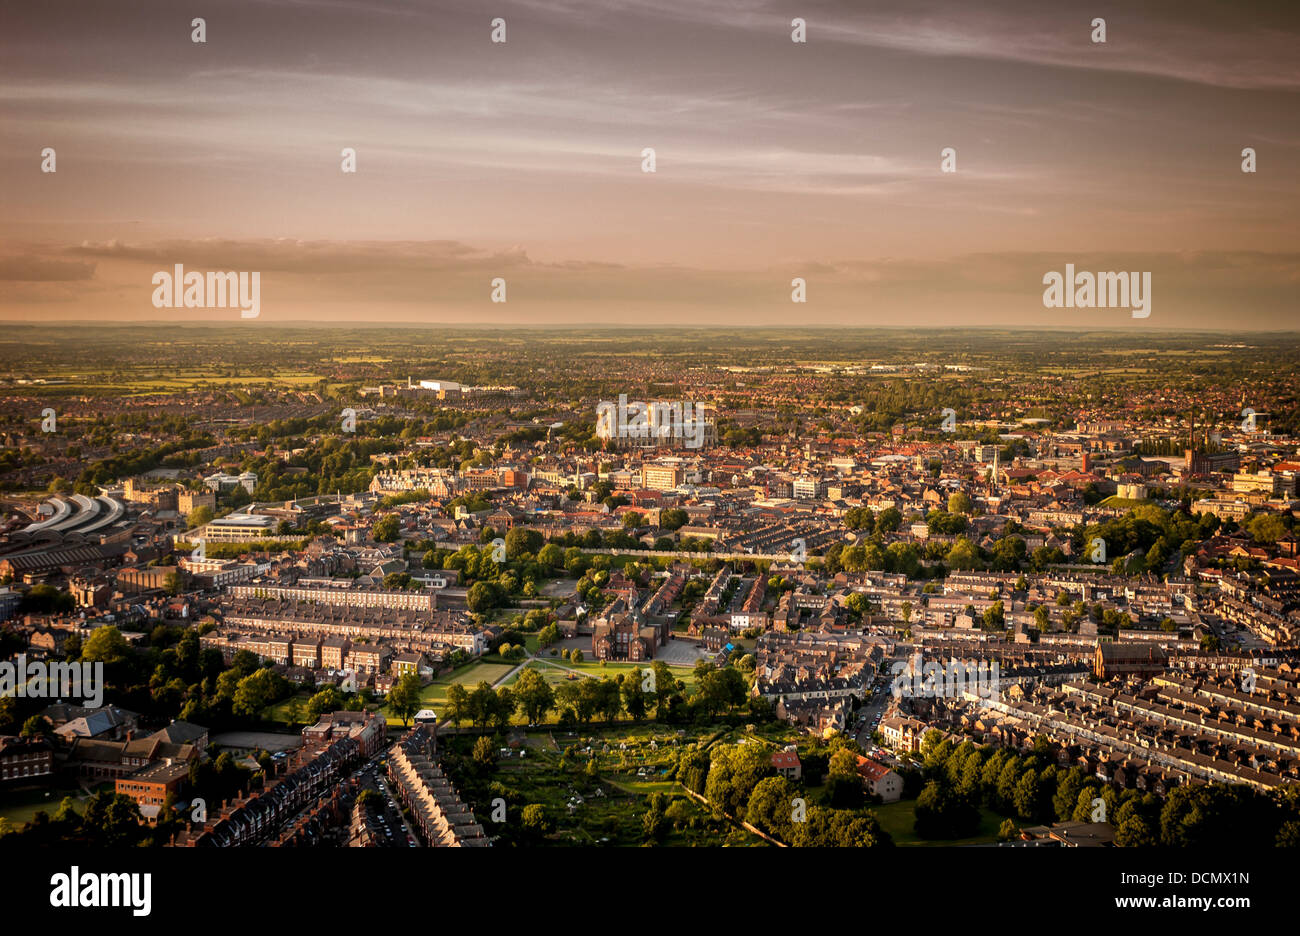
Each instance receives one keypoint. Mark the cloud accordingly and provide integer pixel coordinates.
(1200, 41)
(351, 282)
(44, 269)
(316, 258)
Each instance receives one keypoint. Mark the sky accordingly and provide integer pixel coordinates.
(774, 160)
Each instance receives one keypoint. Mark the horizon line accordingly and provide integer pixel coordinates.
(614, 326)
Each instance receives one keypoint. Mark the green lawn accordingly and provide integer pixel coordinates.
(898, 818)
(561, 670)
(279, 712)
(20, 806)
(434, 695)
(553, 675)
(597, 669)
(489, 669)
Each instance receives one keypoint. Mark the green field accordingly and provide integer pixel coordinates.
(898, 818)
(434, 695)
(598, 669)
(19, 806)
(469, 676)
(279, 712)
(554, 672)
(1116, 501)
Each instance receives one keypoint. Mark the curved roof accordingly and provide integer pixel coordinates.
(61, 510)
(79, 515)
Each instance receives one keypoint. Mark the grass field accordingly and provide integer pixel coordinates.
(279, 712)
(898, 818)
(488, 669)
(597, 669)
(434, 695)
(175, 382)
(20, 806)
(554, 672)
(468, 676)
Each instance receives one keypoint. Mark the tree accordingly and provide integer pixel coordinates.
(386, 529)
(655, 821)
(1136, 831)
(533, 695)
(551, 556)
(959, 503)
(734, 771)
(843, 765)
(665, 685)
(484, 753)
(942, 813)
(1029, 796)
(503, 706)
(633, 697)
(964, 555)
(293, 711)
(395, 581)
(37, 726)
(105, 645)
(483, 596)
(521, 541)
(114, 818)
(257, 691)
(329, 699)
(404, 698)
(717, 690)
(1068, 785)
(673, 518)
(608, 698)
(173, 583)
(457, 706)
(857, 604)
(771, 807)
(535, 820)
(838, 828)
(1008, 553)
(1266, 528)
(482, 705)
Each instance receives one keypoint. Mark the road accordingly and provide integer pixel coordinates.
(869, 715)
(396, 830)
